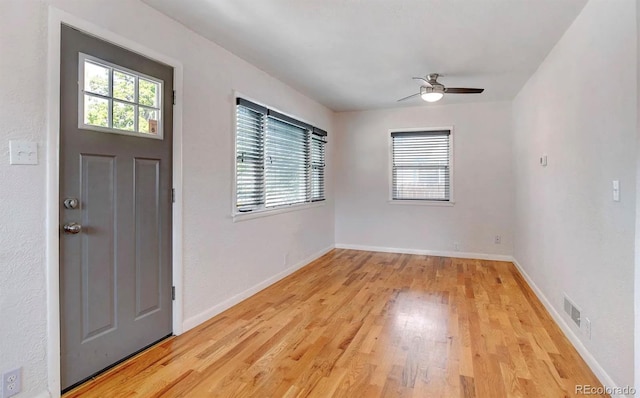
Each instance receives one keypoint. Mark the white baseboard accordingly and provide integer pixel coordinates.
(598, 370)
(479, 256)
(196, 320)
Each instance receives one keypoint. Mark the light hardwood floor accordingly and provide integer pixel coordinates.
(364, 324)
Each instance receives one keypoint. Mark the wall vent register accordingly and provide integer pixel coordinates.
(572, 310)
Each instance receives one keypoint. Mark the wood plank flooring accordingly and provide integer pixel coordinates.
(364, 324)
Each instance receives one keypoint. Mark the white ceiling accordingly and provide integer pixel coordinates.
(361, 54)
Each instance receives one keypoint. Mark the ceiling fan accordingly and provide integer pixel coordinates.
(431, 90)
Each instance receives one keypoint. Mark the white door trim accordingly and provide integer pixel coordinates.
(55, 19)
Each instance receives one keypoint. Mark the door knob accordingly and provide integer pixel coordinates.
(72, 228)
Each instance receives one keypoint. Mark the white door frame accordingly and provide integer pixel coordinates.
(55, 19)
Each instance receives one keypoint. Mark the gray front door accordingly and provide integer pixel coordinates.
(115, 204)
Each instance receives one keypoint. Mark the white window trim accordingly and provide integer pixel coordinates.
(81, 124)
(264, 212)
(277, 210)
(422, 202)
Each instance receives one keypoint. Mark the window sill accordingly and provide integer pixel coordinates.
(272, 212)
(435, 203)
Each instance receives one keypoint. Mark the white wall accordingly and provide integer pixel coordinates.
(23, 56)
(580, 109)
(221, 259)
(637, 240)
(483, 183)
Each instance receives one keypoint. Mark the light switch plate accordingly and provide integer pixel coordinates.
(616, 190)
(23, 152)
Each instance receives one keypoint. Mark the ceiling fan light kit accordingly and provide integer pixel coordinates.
(431, 94)
(431, 90)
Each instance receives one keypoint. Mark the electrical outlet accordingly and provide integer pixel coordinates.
(456, 246)
(11, 383)
(497, 240)
(543, 160)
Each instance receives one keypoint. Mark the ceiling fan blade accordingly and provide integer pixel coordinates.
(423, 79)
(462, 90)
(410, 96)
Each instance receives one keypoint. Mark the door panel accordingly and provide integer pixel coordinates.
(115, 264)
(148, 236)
(97, 244)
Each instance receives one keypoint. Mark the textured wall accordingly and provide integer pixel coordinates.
(22, 215)
(571, 237)
(482, 181)
(221, 258)
(637, 241)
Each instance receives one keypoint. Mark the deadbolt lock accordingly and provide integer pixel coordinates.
(71, 203)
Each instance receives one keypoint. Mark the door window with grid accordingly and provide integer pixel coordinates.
(114, 99)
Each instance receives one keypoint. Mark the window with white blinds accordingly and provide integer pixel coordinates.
(279, 160)
(421, 165)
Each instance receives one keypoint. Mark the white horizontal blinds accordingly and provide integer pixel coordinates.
(318, 143)
(421, 165)
(286, 163)
(249, 158)
(279, 160)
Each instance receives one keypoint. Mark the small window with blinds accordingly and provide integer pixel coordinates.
(280, 160)
(421, 165)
